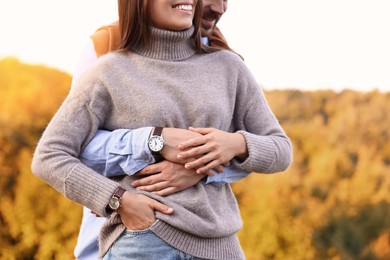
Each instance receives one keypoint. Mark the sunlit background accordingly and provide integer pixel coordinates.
(325, 66)
(306, 44)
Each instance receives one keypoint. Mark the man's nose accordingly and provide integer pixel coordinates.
(218, 6)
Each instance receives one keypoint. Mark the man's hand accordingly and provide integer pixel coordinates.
(165, 178)
(137, 211)
(173, 137)
(212, 149)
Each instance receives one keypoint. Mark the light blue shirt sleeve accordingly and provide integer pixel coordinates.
(229, 175)
(126, 151)
(121, 151)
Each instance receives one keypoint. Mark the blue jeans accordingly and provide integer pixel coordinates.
(144, 245)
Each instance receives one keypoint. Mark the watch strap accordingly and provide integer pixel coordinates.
(157, 156)
(157, 131)
(119, 192)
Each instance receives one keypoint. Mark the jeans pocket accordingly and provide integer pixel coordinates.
(135, 233)
(139, 232)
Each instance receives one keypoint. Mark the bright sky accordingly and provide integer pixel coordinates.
(306, 44)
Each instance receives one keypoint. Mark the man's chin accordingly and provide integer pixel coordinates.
(207, 28)
(206, 33)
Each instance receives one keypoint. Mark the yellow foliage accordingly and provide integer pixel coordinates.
(332, 203)
(381, 246)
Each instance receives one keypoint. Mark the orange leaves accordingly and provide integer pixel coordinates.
(333, 202)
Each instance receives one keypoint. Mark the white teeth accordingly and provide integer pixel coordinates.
(184, 7)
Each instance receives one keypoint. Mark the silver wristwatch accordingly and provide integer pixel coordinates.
(156, 143)
(115, 200)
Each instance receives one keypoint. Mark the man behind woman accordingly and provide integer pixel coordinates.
(112, 153)
(130, 89)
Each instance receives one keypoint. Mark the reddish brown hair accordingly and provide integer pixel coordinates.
(135, 23)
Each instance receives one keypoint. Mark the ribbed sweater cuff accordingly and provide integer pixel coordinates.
(259, 159)
(90, 189)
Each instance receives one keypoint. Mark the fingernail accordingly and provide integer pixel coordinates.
(187, 166)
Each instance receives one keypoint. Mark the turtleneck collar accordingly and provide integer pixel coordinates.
(168, 45)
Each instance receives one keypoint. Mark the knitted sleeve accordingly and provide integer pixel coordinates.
(269, 148)
(56, 157)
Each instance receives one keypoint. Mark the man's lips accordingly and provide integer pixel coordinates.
(208, 22)
(209, 17)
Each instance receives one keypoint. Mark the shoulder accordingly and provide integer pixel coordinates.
(101, 71)
(233, 67)
(106, 38)
(227, 59)
(107, 64)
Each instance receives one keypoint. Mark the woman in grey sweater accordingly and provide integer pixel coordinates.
(163, 76)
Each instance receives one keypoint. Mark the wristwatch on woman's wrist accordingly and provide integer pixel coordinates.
(156, 143)
(115, 201)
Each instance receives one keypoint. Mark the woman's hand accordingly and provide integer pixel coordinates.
(165, 178)
(212, 149)
(137, 211)
(175, 136)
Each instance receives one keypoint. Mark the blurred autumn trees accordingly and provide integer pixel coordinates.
(333, 203)
(36, 222)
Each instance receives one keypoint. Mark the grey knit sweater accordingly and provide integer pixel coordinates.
(165, 84)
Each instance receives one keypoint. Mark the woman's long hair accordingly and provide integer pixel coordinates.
(135, 23)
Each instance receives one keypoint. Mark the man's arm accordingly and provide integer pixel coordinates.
(126, 151)
(118, 152)
(166, 178)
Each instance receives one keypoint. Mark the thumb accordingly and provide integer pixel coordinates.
(161, 207)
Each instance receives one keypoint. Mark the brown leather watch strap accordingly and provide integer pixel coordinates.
(118, 196)
(119, 192)
(157, 131)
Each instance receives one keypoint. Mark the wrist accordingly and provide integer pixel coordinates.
(242, 149)
(172, 137)
(156, 143)
(115, 201)
(125, 197)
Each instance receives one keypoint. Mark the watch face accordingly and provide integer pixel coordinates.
(156, 143)
(114, 203)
